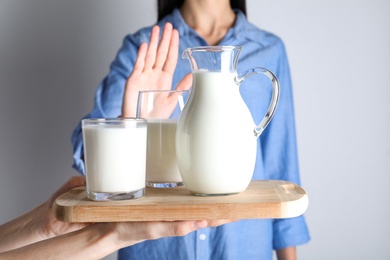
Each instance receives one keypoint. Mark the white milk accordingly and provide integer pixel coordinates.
(115, 158)
(216, 146)
(161, 164)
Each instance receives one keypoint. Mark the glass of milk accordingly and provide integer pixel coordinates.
(115, 157)
(162, 109)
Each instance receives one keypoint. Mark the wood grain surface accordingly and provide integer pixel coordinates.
(262, 199)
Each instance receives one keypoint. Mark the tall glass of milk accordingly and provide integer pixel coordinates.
(162, 109)
(115, 157)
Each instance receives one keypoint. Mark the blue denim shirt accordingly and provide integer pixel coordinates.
(276, 150)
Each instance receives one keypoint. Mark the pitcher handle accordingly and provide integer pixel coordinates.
(275, 95)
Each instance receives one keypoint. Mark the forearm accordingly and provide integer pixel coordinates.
(288, 253)
(21, 231)
(92, 242)
(40, 223)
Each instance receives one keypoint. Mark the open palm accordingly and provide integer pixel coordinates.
(154, 68)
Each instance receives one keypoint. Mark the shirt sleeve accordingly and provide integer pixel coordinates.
(109, 94)
(281, 158)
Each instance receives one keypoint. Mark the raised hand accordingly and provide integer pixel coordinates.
(154, 68)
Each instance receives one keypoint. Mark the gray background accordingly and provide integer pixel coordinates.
(53, 54)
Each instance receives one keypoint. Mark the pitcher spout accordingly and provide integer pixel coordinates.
(213, 58)
(186, 53)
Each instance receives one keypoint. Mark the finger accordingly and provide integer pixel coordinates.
(163, 48)
(182, 228)
(151, 52)
(73, 182)
(185, 83)
(171, 61)
(174, 228)
(219, 222)
(140, 61)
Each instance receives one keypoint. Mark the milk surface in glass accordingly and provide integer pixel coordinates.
(161, 161)
(216, 146)
(115, 158)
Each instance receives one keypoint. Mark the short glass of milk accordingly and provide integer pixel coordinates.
(115, 157)
(162, 108)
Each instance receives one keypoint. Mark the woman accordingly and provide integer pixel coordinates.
(216, 22)
(39, 235)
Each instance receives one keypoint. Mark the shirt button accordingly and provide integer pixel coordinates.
(202, 237)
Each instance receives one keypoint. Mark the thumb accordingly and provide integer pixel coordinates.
(73, 182)
(185, 83)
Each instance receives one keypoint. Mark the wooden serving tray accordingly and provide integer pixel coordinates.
(262, 199)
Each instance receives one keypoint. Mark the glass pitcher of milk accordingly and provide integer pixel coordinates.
(216, 135)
